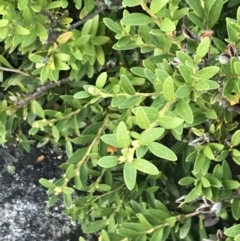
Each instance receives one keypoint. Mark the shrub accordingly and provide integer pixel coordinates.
(144, 97)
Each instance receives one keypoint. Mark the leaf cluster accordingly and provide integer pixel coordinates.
(144, 103)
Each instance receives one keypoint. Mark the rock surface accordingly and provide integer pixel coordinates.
(24, 215)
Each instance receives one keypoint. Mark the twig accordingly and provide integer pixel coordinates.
(40, 90)
(102, 8)
(14, 71)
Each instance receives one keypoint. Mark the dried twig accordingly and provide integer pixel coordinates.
(40, 91)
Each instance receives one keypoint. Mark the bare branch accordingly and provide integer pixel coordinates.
(40, 91)
(14, 71)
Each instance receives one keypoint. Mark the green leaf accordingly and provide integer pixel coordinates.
(207, 72)
(122, 135)
(142, 119)
(69, 148)
(115, 27)
(45, 73)
(186, 73)
(191, 196)
(64, 37)
(3, 23)
(95, 226)
(208, 153)
(197, 7)
(233, 231)
(205, 182)
(214, 13)
(186, 181)
(77, 156)
(108, 161)
(230, 184)
(127, 85)
(101, 80)
(81, 95)
(157, 5)
(203, 47)
(130, 175)
(213, 180)
(67, 198)
(157, 235)
(184, 110)
(37, 109)
(130, 3)
(55, 4)
(183, 57)
(196, 20)
(136, 19)
(55, 133)
(183, 91)
(100, 40)
(44, 182)
(167, 25)
(162, 151)
(111, 139)
(235, 139)
(212, 85)
(68, 190)
(199, 163)
(78, 4)
(201, 85)
(150, 135)
(21, 30)
(145, 166)
(168, 89)
(168, 122)
(41, 31)
(70, 173)
(52, 200)
(185, 228)
(235, 208)
(4, 61)
(89, 5)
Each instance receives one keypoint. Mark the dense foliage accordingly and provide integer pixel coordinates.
(144, 96)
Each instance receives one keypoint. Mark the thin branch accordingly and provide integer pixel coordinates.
(102, 8)
(14, 71)
(40, 91)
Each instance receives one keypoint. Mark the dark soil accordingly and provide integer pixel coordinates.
(24, 215)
